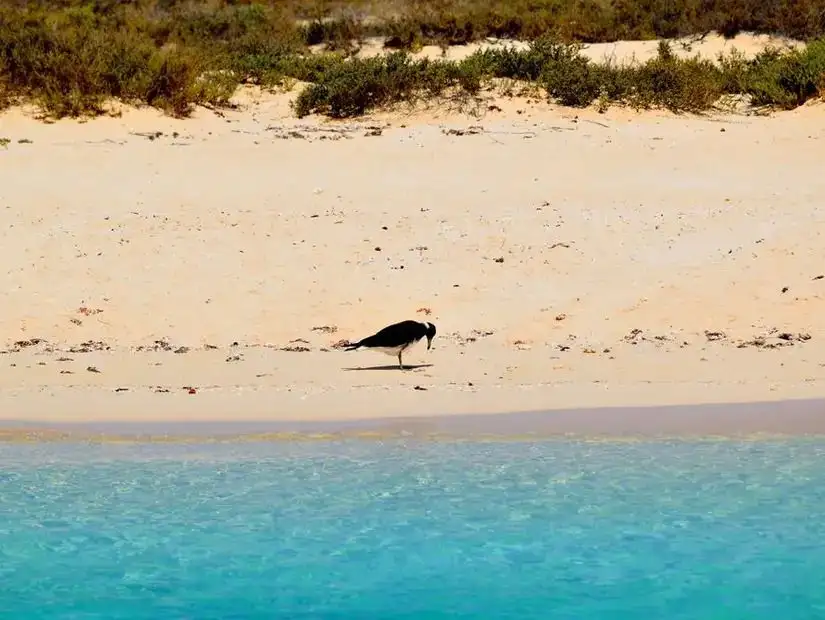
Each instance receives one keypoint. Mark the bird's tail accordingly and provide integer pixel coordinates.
(352, 346)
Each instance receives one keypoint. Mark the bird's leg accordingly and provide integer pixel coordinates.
(400, 363)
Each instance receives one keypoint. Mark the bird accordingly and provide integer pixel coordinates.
(396, 338)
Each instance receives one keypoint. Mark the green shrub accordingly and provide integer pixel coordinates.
(349, 87)
(70, 65)
(71, 56)
(677, 84)
(790, 79)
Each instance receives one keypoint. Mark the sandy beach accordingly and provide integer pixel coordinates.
(158, 269)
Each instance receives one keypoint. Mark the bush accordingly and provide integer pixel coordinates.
(350, 87)
(70, 65)
(790, 79)
(347, 88)
(71, 56)
(677, 84)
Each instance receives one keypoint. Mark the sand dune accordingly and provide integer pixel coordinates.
(569, 259)
(709, 46)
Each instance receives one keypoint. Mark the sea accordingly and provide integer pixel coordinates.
(399, 529)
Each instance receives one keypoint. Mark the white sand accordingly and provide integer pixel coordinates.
(708, 47)
(233, 231)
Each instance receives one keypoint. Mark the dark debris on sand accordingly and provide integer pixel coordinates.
(774, 339)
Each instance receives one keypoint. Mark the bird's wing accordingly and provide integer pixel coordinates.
(391, 336)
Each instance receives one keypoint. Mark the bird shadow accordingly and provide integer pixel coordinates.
(390, 367)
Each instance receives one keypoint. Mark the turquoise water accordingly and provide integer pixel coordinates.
(368, 530)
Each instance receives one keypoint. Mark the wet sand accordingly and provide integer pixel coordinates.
(737, 420)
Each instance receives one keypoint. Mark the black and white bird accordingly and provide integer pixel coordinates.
(397, 338)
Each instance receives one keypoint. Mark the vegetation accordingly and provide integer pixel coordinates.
(71, 56)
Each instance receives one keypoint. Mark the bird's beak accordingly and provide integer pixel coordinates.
(429, 343)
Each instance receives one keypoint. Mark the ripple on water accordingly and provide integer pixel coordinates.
(607, 530)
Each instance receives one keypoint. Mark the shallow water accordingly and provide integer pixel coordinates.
(369, 530)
